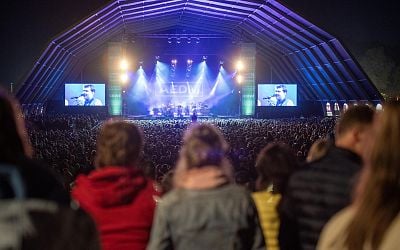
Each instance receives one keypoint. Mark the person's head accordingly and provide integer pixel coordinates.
(88, 91)
(318, 149)
(353, 128)
(119, 143)
(14, 140)
(280, 92)
(275, 163)
(377, 198)
(203, 146)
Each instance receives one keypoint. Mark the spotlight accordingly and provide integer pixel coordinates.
(221, 63)
(197, 40)
(204, 58)
(124, 78)
(189, 61)
(239, 65)
(239, 79)
(141, 63)
(124, 64)
(174, 61)
(189, 40)
(178, 40)
(169, 40)
(158, 58)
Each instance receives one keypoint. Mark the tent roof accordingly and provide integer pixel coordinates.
(298, 50)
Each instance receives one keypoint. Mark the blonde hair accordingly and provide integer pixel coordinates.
(203, 145)
(377, 200)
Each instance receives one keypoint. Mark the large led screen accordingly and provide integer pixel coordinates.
(277, 95)
(85, 94)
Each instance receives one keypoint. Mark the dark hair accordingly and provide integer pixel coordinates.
(89, 86)
(14, 141)
(377, 200)
(355, 116)
(119, 143)
(275, 163)
(281, 86)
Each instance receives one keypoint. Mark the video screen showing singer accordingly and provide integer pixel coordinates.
(278, 98)
(87, 96)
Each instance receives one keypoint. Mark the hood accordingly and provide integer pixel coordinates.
(109, 186)
(201, 178)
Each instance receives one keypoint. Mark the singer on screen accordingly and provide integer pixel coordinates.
(87, 97)
(278, 98)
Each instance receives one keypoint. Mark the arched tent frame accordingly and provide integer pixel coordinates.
(298, 50)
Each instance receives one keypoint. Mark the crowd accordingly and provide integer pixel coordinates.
(344, 196)
(67, 142)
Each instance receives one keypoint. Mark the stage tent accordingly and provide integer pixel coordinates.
(298, 50)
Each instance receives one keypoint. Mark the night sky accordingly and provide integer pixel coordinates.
(27, 26)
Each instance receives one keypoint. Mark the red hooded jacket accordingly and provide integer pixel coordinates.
(122, 203)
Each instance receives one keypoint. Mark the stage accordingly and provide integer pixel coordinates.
(184, 117)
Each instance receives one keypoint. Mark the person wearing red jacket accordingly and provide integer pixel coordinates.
(117, 194)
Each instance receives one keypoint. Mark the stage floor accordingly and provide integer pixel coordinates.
(185, 117)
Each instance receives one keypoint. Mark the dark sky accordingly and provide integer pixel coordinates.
(354, 22)
(27, 26)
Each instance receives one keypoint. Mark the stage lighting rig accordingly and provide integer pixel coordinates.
(124, 64)
(239, 79)
(239, 66)
(124, 78)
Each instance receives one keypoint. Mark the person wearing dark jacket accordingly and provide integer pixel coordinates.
(324, 187)
(16, 151)
(35, 208)
(117, 194)
(373, 219)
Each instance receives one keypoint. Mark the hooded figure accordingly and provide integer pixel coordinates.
(117, 194)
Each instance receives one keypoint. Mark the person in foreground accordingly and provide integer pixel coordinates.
(204, 210)
(35, 208)
(373, 220)
(117, 194)
(275, 163)
(16, 150)
(323, 187)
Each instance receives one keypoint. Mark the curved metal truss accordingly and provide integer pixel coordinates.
(299, 50)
